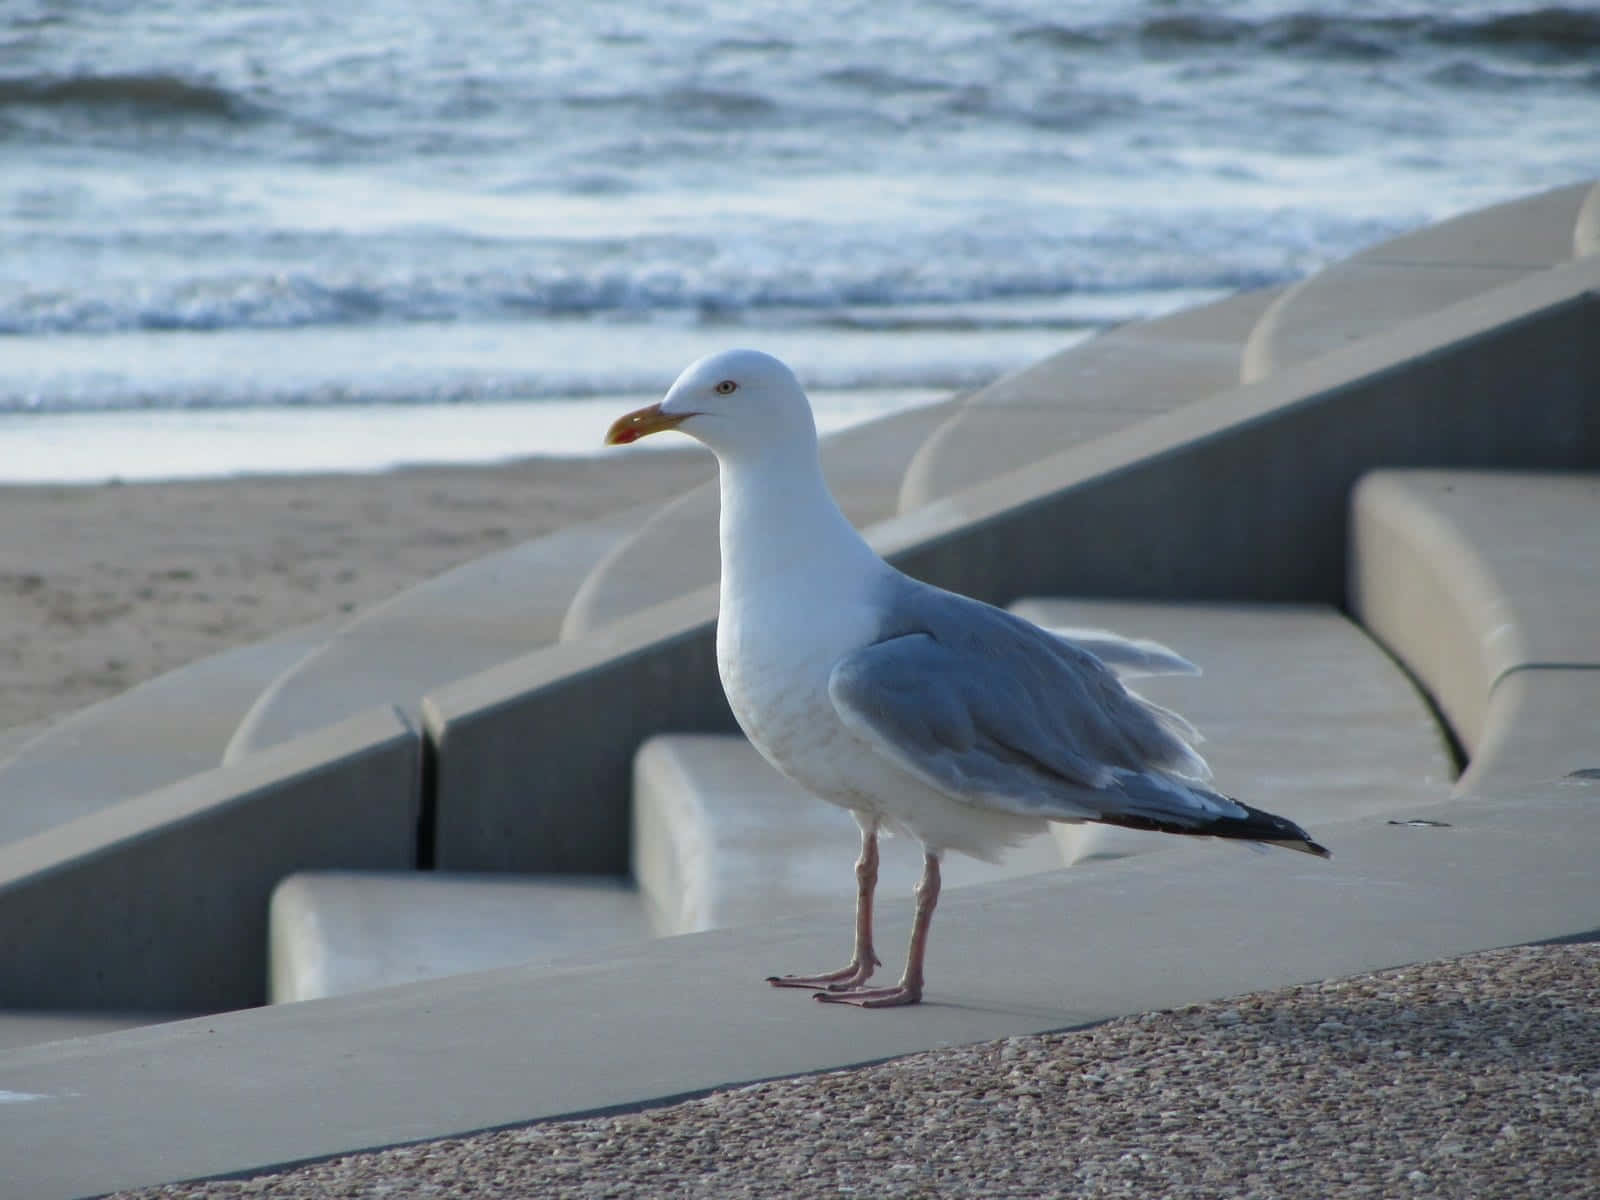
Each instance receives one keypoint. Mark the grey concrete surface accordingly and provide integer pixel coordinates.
(160, 902)
(1242, 496)
(1469, 575)
(132, 743)
(1086, 391)
(336, 932)
(1391, 283)
(1303, 714)
(678, 1015)
(443, 629)
(32, 1027)
(675, 553)
(720, 838)
(1542, 728)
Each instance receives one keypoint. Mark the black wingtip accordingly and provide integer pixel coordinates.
(1306, 846)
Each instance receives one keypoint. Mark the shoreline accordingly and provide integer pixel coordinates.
(105, 586)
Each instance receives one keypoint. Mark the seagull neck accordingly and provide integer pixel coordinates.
(779, 518)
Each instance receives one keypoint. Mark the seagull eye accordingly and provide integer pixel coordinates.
(727, 387)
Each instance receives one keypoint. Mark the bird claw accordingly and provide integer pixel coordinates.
(884, 997)
(844, 979)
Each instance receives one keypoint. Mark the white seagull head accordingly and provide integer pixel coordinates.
(736, 402)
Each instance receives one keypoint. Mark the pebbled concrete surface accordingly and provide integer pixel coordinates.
(1478, 1076)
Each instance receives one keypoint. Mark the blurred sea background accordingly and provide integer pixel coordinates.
(288, 235)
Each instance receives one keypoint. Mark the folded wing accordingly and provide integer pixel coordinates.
(996, 712)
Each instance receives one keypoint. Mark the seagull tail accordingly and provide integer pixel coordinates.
(1257, 825)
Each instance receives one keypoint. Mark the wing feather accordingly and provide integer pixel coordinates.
(995, 712)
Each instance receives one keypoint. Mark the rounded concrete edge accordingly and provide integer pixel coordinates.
(1586, 230)
(1256, 360)
(1419, 588)
(668, 839)
(295, 947)
(611, 590)
(1497, 244)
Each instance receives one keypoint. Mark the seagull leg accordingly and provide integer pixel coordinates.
(909, 989)
(864, 961)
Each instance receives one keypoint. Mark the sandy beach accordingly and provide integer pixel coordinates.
(103, 587)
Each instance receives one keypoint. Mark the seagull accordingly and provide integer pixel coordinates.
(924, 713)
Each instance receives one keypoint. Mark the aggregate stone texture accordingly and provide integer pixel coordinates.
(1474, 1077)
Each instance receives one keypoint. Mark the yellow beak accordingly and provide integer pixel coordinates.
(641, 423)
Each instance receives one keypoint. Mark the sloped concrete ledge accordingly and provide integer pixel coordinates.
(437, 631)
(159, 903)
(1101, 385)
(1244, 496)
(1389, 283)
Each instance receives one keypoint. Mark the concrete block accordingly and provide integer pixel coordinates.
(162, 731)
(1086, 391)
(675, 552)
(336, 932)
(1469, 575)
(446, 628)
(1387, 285)
(720, 838)
(160, 902)
(1303, 714)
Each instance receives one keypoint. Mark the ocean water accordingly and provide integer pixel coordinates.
(386, 230)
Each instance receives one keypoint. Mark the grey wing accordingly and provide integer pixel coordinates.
(995, 712)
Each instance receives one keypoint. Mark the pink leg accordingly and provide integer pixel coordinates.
(909, 989)
(864, 960)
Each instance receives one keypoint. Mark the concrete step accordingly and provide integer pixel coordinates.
(336, 932)
(168, 729)
(1483, 584)
(451, 626)
(675, 552)
(1087, 391)
(1407, 277)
